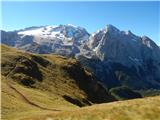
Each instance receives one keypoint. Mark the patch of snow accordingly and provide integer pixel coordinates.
(32, 32)
(72, 25)
(128, 32)
(96, 48)
(134, 59)
(148, 44)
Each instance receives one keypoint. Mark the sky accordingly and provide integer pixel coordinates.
(142, 18)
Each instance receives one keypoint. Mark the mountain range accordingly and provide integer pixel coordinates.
(116, 58)
(64, 72)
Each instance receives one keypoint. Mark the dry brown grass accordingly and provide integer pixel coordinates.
(49, 90)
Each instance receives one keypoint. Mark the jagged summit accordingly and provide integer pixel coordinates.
(72, 40)
(116, 57)
(111, 28)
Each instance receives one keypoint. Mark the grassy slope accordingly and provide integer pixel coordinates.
(14, 107)
(48, 94)
(33, 83)
(137, 109)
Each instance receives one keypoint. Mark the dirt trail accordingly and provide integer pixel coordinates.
(23, 96)
(30, 102)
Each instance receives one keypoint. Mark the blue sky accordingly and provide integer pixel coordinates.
(142, 18)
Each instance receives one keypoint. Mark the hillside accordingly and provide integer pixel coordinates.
(138, 109)
(52, 87)
(33, 84)
(14, 108)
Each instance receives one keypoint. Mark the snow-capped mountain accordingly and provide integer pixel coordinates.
(116, 57)
(67, 34)
(62, 39)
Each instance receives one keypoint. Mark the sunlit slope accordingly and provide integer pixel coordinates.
(137, 109)
(18, 103)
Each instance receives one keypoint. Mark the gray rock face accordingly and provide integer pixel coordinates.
(9, 38)
(128, 58)
(115, 57)
(123, 47)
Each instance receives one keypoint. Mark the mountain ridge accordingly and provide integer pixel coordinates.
(116, 57)
(54, 71)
